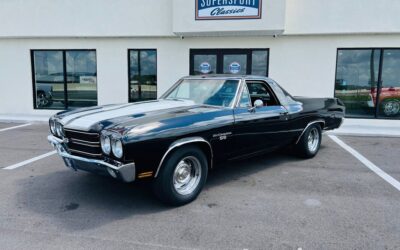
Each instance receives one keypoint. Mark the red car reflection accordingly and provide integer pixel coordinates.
(389, 99)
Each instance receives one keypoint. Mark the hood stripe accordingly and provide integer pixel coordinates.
(87, 120)
(70, 118)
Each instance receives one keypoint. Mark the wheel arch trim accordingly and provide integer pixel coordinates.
(322, 121)
(184, 141)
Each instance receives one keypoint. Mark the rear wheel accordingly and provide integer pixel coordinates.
(182, 176)
(391, 107)
(310, 142)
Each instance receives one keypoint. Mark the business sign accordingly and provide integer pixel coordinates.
(228, 9)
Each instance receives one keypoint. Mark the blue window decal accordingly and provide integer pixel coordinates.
(205, 67)
(234, 67)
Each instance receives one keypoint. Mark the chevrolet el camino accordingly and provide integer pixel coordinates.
(200, 121)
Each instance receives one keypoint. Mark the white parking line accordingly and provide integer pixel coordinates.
(23, 163)
(367, 163)
(19, 126)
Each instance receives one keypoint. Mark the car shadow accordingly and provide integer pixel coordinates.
(81, 201)
(233, 170)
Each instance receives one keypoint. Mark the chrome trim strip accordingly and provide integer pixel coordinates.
(84, 153)
(238, 93)
(308, 125)
(80, 132)
(83, 141)
(85, 144)
(63, 153)
(181, 142)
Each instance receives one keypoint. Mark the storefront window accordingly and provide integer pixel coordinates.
(205, 64)
(389, 96)
(64, 79)
(259, 62)
(235, 64)
(142, 75)
(81, 78)
(229, 61)
(356, 80)
(368, 82)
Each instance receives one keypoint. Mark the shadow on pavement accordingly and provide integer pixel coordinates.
(81, 201)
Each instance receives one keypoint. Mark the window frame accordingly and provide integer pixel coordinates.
(269, 88)
(379, 80)
(64, 62)
(249, 104)
(129, 70)
(220, 57)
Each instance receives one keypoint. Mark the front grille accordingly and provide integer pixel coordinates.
(82, 143)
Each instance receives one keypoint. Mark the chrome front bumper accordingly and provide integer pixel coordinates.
(125, 172)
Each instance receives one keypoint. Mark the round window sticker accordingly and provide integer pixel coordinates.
(234, 67)
(205, 67)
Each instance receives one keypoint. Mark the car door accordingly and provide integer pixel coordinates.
(259, 129)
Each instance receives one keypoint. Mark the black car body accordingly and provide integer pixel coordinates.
(260, 117)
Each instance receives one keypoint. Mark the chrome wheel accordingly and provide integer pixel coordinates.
(391, 108)
(313, 140)
(187, 175)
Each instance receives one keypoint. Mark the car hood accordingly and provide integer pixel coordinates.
(123, 117)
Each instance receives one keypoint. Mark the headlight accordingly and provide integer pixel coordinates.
(59, 130)
(117, 148)
(105, 144)
(52, 127)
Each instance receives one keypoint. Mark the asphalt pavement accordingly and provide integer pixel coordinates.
(275, 201)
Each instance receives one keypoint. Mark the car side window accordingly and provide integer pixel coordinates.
(261, 91)
(245, 98)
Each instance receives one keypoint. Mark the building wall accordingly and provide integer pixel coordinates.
(342, 16)
(304, 65)
(137, 18)
(88, 18)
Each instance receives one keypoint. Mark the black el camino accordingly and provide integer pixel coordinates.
(200, 121)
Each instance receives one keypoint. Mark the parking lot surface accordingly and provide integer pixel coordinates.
(275, 201)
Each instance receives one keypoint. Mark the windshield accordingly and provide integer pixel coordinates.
(217, 92)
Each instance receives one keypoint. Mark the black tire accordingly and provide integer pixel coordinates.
(303, 149)
(163, 185)
(42, 100)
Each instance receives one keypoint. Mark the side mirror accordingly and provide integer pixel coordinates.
(258, 103)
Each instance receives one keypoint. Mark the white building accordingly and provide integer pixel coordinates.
(65, 54)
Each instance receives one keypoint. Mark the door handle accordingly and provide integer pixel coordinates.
(284, 113)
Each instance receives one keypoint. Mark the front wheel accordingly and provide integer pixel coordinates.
(182, 176)
(42, 100)
(310, 142)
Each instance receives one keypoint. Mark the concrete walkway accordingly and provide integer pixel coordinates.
(369, 127)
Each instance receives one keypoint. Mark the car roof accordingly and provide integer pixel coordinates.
(226, 76)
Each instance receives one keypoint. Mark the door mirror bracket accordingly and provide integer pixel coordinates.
(257, 104)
